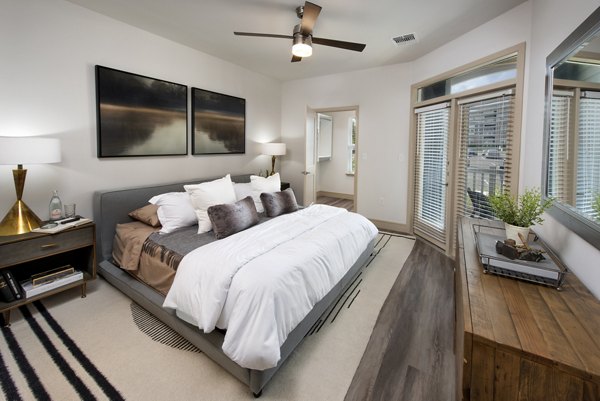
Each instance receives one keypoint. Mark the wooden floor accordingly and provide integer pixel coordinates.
(339, 202)
(410, 355)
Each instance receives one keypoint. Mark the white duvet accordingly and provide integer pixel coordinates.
(260, 283)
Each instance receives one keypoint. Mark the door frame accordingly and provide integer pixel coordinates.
(354, 108)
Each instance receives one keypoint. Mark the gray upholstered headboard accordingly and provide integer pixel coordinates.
(111, 207)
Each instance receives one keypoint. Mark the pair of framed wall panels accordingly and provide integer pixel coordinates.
(142, 116)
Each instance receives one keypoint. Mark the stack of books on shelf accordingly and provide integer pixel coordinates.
(49, 280)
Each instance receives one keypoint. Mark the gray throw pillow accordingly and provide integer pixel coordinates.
(231, 218)
(276, 203)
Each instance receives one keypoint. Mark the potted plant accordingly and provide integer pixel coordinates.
(596, 206)
(520, 213)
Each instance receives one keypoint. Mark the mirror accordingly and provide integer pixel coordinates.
(572, 131)
(325, 136)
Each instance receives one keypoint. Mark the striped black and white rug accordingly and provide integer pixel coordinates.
(25, 361)
(106, 347)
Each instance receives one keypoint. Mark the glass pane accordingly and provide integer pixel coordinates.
(486, 128)
(432, 133)
(499, 70)
(588, 160)
(578, 71)
(558, 155)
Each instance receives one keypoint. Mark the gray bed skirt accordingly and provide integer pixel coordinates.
(111, 207)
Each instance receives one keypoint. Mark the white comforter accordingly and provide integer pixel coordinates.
(260, 283)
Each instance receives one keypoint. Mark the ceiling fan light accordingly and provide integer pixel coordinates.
(302, 46)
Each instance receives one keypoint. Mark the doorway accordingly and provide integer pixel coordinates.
(331, 162)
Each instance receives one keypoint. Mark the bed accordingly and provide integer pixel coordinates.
(111, 207)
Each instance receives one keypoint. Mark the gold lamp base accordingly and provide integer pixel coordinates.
(20, 219)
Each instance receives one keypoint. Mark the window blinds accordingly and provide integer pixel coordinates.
(558, 146)
(431, 172)
(588, 157)
(485, 151)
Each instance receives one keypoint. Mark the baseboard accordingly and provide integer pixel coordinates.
(335, 195)
(389, 226)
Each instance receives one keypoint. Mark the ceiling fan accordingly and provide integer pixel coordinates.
(302, 36)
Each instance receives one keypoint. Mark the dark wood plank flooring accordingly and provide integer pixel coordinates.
(410, 355)
(339, 202)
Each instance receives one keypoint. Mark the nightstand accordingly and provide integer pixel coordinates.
(285, 185)
(31, 253)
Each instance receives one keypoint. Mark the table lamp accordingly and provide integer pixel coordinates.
(20, 219)
(273, 149)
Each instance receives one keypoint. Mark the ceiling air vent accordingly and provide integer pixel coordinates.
(402, 39)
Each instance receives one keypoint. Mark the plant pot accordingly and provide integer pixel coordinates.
(512, 232)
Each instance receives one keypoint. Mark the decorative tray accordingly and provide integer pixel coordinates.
(548, 272)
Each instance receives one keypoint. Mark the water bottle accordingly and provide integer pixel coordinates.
(55, 207)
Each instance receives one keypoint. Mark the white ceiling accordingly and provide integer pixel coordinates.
(208, 25)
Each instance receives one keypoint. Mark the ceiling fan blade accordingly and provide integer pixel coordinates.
(295, 59)
(309, 17)
(357, 47)
(263, 35)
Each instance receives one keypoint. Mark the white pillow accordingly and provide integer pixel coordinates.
(175, 211)
(262, 184)
(242, 190)
(207, 194)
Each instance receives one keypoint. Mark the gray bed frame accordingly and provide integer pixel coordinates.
(111, 207)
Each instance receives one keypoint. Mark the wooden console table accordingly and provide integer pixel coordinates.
(522, 341)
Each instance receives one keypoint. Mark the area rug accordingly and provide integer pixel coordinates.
(106, 347)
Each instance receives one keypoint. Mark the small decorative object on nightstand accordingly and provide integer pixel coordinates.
(28, 255)
(55, 209)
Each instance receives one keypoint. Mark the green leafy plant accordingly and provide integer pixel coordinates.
(522, 211)
(596, 206)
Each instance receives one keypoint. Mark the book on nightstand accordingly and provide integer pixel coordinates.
(51, 275)
(61, 225)
(31, 290)
(6, 294)
(12, 284)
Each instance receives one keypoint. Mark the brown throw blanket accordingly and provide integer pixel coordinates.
(128, 243)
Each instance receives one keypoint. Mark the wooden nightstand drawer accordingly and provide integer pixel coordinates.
(27, 254)
(34, 248)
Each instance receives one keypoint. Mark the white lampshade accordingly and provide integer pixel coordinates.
(273, 149)
(29, 150)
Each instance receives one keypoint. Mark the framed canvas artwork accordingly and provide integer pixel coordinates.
(218, 123)
(139, 116)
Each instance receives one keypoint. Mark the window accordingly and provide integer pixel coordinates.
(465, 138)
(431, 171)
(499, 70)
(484, 168)
(351, 154)
(574, 149)
(588, 153)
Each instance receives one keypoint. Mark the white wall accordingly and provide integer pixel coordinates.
(49, 49)
(552, 22)
(383, 97)
(331, 174)
(507, 30)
